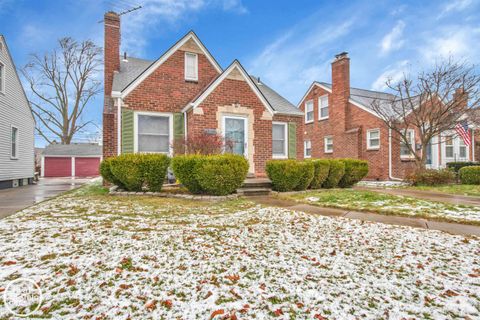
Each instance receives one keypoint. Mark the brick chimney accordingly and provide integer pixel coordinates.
(461, 98)
(340, 89)
(111, 49)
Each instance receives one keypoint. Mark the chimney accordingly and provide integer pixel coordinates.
(340, 89)
(111, 49)
(461, 99)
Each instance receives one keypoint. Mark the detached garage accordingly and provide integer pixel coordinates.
(71, 160)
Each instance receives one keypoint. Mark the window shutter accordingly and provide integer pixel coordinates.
(292, 140)
(178, 126)
(127, 130)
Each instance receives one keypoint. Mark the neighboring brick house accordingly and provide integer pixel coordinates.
(340, 122)
(186, 93)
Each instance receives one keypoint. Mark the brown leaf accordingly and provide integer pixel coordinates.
(152, 305)
(217, 313)
(9, 263)
(450, 293)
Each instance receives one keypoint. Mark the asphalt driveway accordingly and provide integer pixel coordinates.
(14, 199)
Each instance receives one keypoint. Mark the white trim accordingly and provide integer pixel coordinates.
(279, 156)
(320, 107)
(325, 144)
(305, 149)
(3, 81)
(191, 35)
(369, 147)
(119, 126)
(16, 157)
(412, 143)
(456, 144)
(42, 166)
(306, 112)
(72, 159)
(195, 78)
(245, 122)
(158, 114)
(209, 90)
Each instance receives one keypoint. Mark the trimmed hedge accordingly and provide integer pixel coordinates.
(355, 170)
(307, 170)
(431, 177)
(456, 166)
(154, 169)
(127, 169)
(221, 174)
(106, 172)
(184, 169)
(469, 175)
(335, 174)
(322, 167)
(284, 174)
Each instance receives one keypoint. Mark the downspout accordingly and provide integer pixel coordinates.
(390, 174)
(119, 124)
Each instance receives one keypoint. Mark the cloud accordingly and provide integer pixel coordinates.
(393, 73)
(234, 6)
(452, 6)
(393, 40)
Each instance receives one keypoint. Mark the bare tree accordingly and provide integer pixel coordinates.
(431, 103)
(62, 83)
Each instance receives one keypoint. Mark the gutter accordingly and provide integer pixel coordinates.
(390, 174)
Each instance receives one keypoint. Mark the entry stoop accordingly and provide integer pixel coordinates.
(255, 187)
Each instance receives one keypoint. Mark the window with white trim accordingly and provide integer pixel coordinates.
(153, 133)
(462, 148)
(14, 143)
(309, 111)
(2, 77)
(373, 139)
(308, 148)
(191, 66)
(449, 147)
(404, 149)
(328, 144)
(279, 140)
(323, 107)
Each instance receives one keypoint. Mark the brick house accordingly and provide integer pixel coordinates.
(186, 93)
(340, 122)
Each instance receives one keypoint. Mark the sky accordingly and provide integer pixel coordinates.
(288, 44)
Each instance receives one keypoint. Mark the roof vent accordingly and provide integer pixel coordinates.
(125, 56)
(341, 55)
(258, 81)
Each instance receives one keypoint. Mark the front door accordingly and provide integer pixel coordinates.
(235, 129)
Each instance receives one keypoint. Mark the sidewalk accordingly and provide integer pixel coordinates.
(427, 195)
(453, 228)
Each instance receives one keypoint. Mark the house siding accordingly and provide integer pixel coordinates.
(15, 111)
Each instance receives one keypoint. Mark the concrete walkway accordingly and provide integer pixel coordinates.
(15, 199)
(454, 228)
(427, 195)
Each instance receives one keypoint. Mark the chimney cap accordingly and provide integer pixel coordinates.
(341, 55)
(112, 15)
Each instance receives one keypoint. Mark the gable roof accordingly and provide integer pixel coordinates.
(76, 149)
(279, 104)
(136, 76)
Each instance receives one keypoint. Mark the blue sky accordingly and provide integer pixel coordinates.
(287, 43)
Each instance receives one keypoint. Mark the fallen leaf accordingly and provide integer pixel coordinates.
(217, 313)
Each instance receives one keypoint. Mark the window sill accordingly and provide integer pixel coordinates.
(407, 159)
(191, 80)
(279, 157)
(373, 149)
(328, 152)
(307, 157)
(308, 122)
(13, 158)
(322, 119)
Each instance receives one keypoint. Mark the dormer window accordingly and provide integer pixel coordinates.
(191, 66)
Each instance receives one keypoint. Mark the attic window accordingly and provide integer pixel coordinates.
(191, 66)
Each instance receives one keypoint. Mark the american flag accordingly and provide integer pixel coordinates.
(462, 130)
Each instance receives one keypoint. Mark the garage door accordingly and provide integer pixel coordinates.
(57, 167)
(86, 167)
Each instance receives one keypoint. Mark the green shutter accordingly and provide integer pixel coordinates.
(178, 126)
(127, 130)
(292, 140)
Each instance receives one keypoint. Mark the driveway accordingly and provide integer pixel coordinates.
(14, 199)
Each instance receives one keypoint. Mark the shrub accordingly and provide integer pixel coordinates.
(184, 168)
(154, 168)
(456, 166)
(106, 172)
(355, 170)
(307, 170)
(127, 169)
(206, 144)
(470, 175)
(221, 174)
(335, 174)
(430, 177)
(284, 174)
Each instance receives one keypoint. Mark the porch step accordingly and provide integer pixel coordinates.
(255, 187)
(254, 191)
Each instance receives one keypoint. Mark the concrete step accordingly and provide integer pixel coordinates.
(254, 191)
(257, 183)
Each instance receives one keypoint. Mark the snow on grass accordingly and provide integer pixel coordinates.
(137, 258)
(389, 204)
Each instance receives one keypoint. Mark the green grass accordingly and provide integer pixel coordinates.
(458, 189)
(371, 201)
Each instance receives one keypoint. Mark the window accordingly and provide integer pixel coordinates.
(309, 111)
(279, 140)
(2, 77)
(373, 139)
(308, 148)
(328, 144)
(191, 66)
(323, 107)
(14, 146)
(462, 148)
(404, 148)
(449, 152)
(153, 133)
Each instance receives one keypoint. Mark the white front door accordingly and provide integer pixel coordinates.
(433, 154)
(235, 131)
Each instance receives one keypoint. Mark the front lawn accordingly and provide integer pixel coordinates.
(460, 189)
(101, 257)
(360, 200)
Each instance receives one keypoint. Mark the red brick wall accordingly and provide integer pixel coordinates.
(111, 49)
(109, 135)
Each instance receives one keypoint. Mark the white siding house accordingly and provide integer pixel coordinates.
(17, 126)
